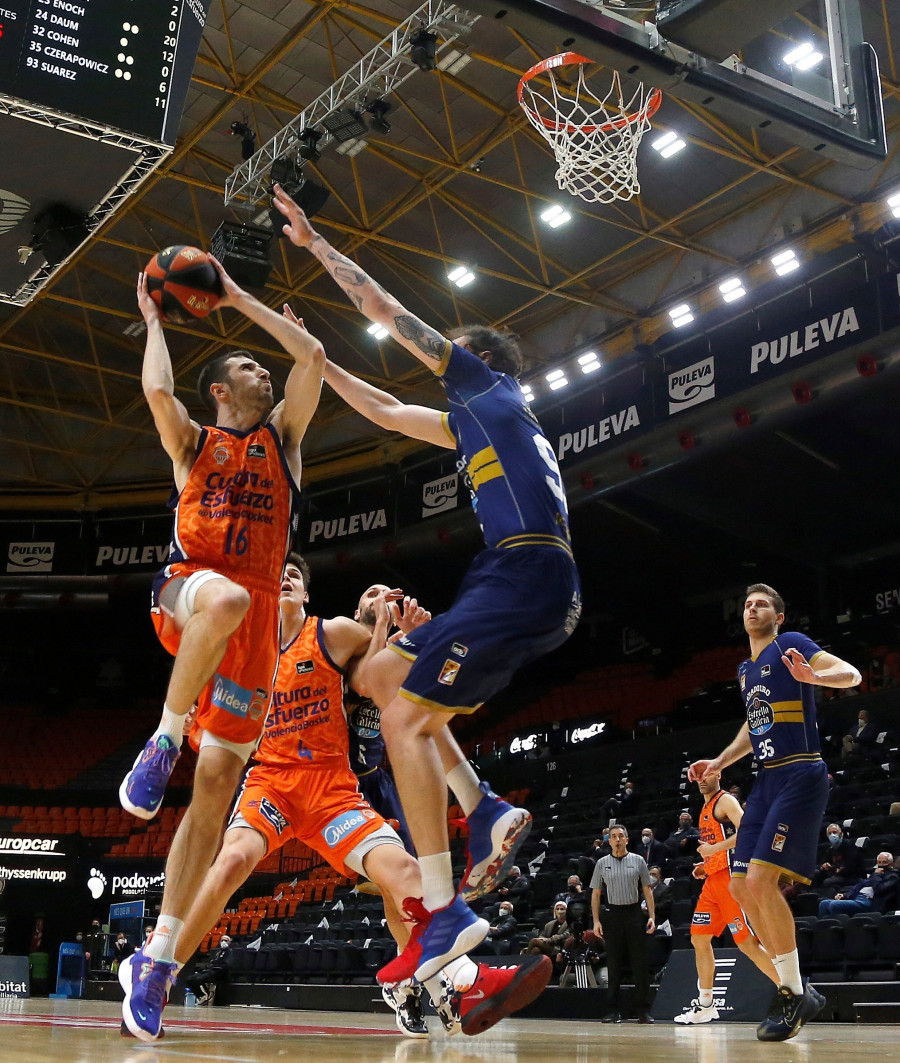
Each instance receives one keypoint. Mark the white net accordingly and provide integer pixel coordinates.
(595, 141)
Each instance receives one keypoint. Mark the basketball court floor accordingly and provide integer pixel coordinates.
(41, 1031)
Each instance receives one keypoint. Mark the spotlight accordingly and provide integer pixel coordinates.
(248, 138)
(346, 124)
(308, 147)
(56, 232)
(378, 123)
(424, 46)
(308, 196)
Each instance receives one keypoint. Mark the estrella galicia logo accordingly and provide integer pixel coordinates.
(256, 450)
(232, 698)
(760, 716)
(273, 815)
(692, 385)
(305, 667)
(341, 826)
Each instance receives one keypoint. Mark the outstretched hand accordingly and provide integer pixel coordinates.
(799, 667)
(232, 292)
(297, 230)
(409, 615)
(146, 303)
(701, 768)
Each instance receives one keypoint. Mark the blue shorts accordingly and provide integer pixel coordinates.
(514, 606)
(783, 820)
(378, 788)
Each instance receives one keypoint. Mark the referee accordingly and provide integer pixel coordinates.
(619, 879)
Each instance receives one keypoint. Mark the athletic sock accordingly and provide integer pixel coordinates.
(462, 972)
(171, 725)
(437, 881)
(463, 781)
(788, 969)
(706, 998)
(164, 939)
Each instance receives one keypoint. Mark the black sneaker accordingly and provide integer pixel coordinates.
(788, 1012)
(407, 1006)
(612, 1016)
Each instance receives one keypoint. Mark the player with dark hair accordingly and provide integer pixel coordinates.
(780, 827)
(519, 600)
(215, 604)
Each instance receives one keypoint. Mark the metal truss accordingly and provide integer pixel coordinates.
(378, 73)
(150, 154)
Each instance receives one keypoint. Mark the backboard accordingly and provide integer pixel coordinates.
(800, 71)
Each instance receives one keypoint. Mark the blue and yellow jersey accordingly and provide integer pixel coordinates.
(366, 739)
(781, 712)
(516, 487)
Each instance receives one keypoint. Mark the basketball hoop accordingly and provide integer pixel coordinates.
(595, 140)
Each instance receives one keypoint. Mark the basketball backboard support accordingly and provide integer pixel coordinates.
(831, 105)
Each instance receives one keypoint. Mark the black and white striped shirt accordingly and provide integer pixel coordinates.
(621, 879)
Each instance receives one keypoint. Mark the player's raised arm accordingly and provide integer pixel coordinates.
(829, 671)
(177, 432)
(421, 340)
(419, 422)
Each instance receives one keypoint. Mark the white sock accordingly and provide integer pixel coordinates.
(463, 781)
(788, 968)
(462, 972)
(164, 939)
(171, 725)
(437, 881)
(435, 987)
(705, 997)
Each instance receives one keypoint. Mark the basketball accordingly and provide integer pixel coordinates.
(183, 282)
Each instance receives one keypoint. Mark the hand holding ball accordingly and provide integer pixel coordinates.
(183, 283)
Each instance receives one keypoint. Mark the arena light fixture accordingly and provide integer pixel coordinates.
(681, 315)
(784, 262)
(461, 276)
(589, 362)
(308, 147)
(668, 144)
(557, 379)
(454, 61)
(803, 56)
(345, 124)
(527, 392)
(350, 148)
(732, 289)
(378, 110)
(555, 216)
(894, 203)
(424, 47)
(377, 330)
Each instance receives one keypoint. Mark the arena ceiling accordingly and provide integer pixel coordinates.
(460, 179)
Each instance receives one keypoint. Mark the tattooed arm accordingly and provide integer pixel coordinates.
(428, 345)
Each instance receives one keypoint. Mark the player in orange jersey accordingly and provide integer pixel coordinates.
(716, 908)
(215, 604)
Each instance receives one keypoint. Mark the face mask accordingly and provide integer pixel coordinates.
(629, 790)
(645, 838)
(654, 878)
(835, 839)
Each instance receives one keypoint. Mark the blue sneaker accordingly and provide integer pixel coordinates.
(146, 983)
(437, 938)
(496, 830)
(788, 1013)
(144, 787)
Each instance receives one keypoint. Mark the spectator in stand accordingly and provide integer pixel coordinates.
(206, 980)
(681, 846)
(502, 930)
(552, 938)
(841, 863)
(860, 739)
(121, 949)
(573, 891)
(517, 886)
(662, 895)
(877, 893)
(622, 804)
(650, 849)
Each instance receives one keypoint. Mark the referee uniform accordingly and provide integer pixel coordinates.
(620, 880)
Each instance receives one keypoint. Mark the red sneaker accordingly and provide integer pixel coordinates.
(437, 938)
(499, 991)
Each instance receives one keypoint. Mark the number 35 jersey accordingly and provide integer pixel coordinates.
(781, 712)
(239, 509)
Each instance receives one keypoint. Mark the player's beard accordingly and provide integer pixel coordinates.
(367, 617)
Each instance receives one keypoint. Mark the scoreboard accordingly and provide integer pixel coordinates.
(120, 63)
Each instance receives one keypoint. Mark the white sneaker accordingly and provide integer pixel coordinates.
(697, 1014)
(407, 1006)
(447, 1007)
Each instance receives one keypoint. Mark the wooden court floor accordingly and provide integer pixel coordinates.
(45, 1031)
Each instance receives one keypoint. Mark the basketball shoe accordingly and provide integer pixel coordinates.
(788, 1012)
(496, 830)
(406, 1002)
(499, 991)
(146, 983)
(697, 1013)
(437, 938)
(143, 788)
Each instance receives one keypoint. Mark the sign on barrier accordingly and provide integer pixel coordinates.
(742, 993)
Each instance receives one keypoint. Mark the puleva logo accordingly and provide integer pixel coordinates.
(692, 385)
(440, 495)
(30, 557)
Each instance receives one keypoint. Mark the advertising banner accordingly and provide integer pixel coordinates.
(15, 977)
(741, 991)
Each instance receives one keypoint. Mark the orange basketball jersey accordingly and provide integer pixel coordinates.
(239, 509)
(306, 725)
(712, 831)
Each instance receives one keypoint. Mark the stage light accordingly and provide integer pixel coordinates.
(681, 315)
(589, 362)
(894, 203)
(248, 138)
(454, 61)
(308, 147)
(557, 379)
(527, 392)
(378, 330)
(378, 123)
(803, 56)
(784, 262)
(668, 144)
(555, 216)
(346, 124)
(461, 276)
(732, 289)
(424, 47)
(244, 252)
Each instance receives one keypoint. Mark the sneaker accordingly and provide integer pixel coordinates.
(146, 983)
(697, 1013)
(789, 1012)
(406, 1003)
(496, 830)
(437, 938)
(143, 788)
(447, 1007)
(499, 991)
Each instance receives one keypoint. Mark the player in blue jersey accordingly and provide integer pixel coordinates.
(520, 599)
(778, 834)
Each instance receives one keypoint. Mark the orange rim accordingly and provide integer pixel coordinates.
(574, 59)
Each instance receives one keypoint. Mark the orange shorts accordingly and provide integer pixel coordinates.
(322, 807)
(717, 909)
(234, 703)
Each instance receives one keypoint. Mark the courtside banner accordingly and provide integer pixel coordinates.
(128, 545)
(741, 991)
(348, 514)
(431, 490)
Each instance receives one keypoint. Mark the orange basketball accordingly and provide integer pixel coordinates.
(183, 282)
